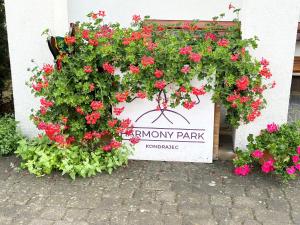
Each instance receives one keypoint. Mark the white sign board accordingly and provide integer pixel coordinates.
(172, 134)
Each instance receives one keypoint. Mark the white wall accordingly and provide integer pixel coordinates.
(275, 23)
(25, 22)
(122, 11)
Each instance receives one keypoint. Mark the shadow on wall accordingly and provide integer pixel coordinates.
(6, 98)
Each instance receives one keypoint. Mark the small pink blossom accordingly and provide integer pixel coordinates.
(291, 170)
(297, 167)
(257, 154)
(298, 150)
(242, 170)
(272, 128)
(268, 167)
(295, 158)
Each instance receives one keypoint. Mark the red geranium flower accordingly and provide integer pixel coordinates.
(160, 84)
(70, 40)
(96, 105)
(223, 42)
(118, 111)
(79, 110)
(265, 72)
(93, 42)
(189, 104)
(195, 57)
(136, 18)
(88, 69)
(141, 94)
(242, 83)
(48, 69)
(101, 13)
(135, 140)
(185, 69)
(147, 60)
(234, 57)
(112, 123)
(108, 68)
(92, 87)
(185, 50)
(158, 73)
(210, 36)
(92, 118)
(134, 69)
(121, 97)
(198, 91)
(264, 62)
(85, 34)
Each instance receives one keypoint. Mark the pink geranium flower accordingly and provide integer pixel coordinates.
(295, 158)
(297, 167)
(272, 127)
(257, 154)
(298, 150)
(268, 167)
(291, 170)
(242, 170)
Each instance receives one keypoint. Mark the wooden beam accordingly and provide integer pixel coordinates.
(296, 68)
(201, 24)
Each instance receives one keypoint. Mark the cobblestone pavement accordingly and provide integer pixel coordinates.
(147, 193)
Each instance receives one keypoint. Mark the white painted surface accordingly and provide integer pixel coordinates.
(275, 23)
(121, 11)
(26, 20)
(173, 134)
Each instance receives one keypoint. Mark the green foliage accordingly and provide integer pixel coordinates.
(41, 157)
(9, 136)
(282, 147)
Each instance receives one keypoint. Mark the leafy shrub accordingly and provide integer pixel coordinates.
(41, 157)
(100, 65)
(276, 149)
(9, 136)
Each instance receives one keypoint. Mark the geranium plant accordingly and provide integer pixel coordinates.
(275, 150)
(101, 65)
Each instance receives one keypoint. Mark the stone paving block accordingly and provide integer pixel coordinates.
(169, 208)
(195, 220)
(99, 216)
(159, 185)
(241, 213)
(150, 207)
(272, 217)
(53, 213)
(195, 210)
(256, 192)
(119, 217)
(166, 196)
(221, 213)
(145, 195)
(118, 193)
(41, 222)
(19, 198)
(172, 220)
(251, 222)
(73, 215)
(85, 201)
(243, 201)
(278, 205)
(221, 200)
(192, 197)
(146, 218)
(56, 200)
(5, 220)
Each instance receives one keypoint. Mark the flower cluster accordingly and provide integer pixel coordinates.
(276, 149)
(81, 93)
